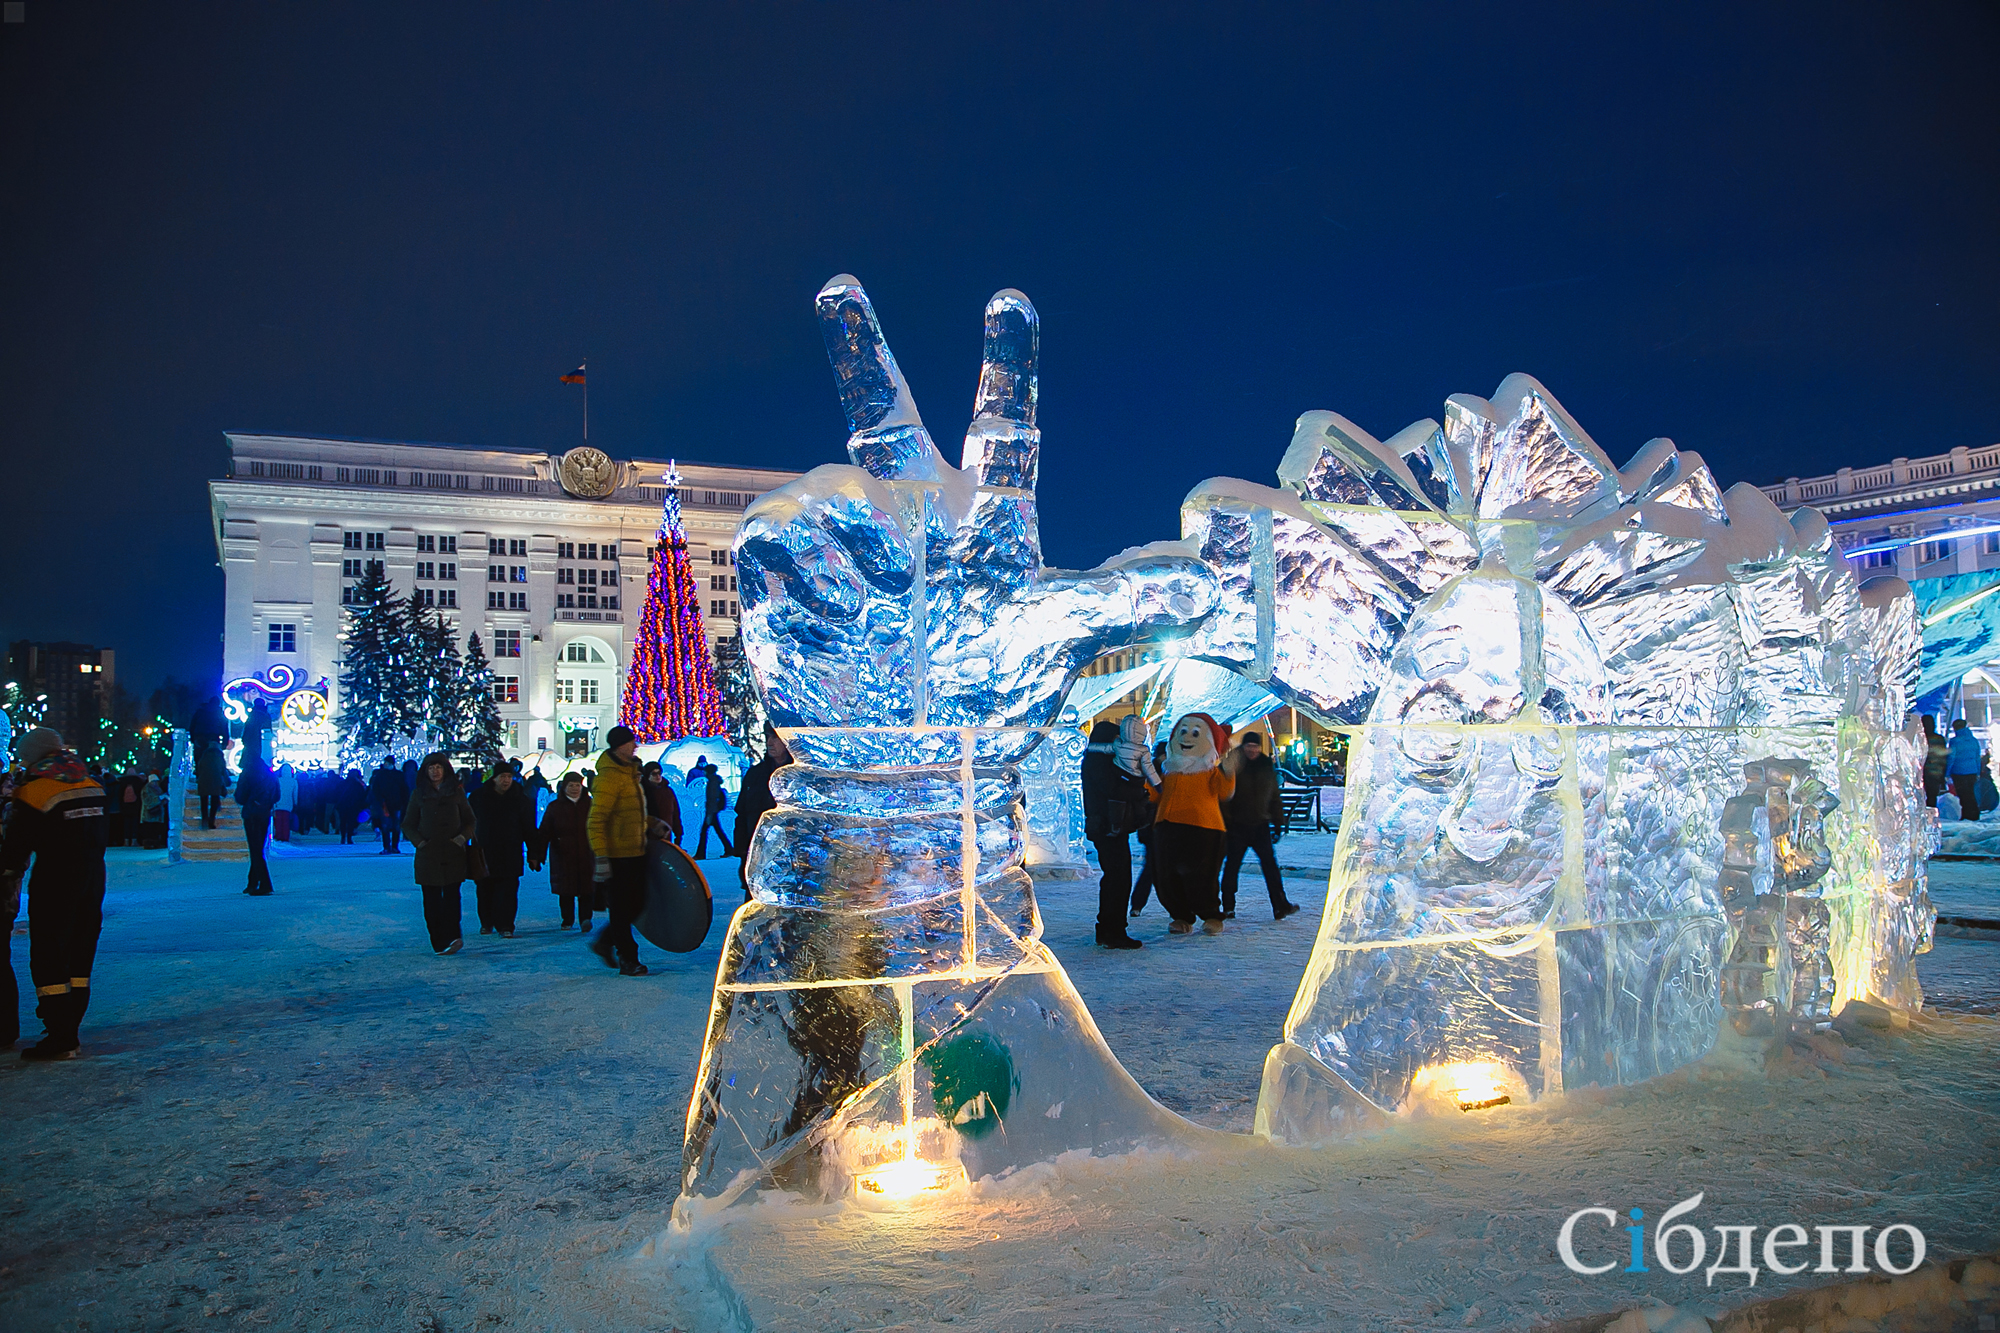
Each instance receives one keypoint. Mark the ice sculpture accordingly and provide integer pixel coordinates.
(1628, 769)
(886, 1019)
(1559, 676)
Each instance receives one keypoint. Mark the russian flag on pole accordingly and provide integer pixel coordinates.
(574, 377)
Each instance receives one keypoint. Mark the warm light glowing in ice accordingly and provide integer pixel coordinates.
(908, 1178)
(1475, 1085)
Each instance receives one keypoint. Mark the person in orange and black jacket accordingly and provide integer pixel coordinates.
(58, 821)
(1188, 832)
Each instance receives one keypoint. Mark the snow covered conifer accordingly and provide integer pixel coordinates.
(375, 696)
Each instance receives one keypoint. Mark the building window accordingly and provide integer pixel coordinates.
(1930, 552)
(565, 599)
(610, 603)
(376, 542)
(1876, 559)
(284, 638)
(565, 575)
(506, 689)
(720, 558)
(426, 597)
(1989, 543)
(447, 546)
(496, 601)
(350, 541)
(496, 573)
(517, 546)
(447, 572)
(722, 583)
(426, 542)
(519, 574)
(517, 601)
(350, 569)
(426, 570)
(506, 643)
(495, 546)
(581, 690)
(721, 608)
(448, 597)
(347, 594)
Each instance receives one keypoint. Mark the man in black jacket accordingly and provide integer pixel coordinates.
(504, 813)
(1115, 804)
(58, 821)
(388, 793)
(1250, 815)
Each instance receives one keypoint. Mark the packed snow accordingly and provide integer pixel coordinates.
(291, 1114)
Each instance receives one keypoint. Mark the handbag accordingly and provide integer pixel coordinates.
(475, 862)
(1128, 817)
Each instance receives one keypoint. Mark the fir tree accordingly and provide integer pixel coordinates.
(670, 684)
(435, 677)
(481, 736)
(375, 695)
(742, 707)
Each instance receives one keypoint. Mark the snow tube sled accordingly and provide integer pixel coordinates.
(679, 907)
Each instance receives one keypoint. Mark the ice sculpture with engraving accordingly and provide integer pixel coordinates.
(886, 1019)
(1559, 676)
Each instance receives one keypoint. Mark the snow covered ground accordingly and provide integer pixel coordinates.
(292, 1115)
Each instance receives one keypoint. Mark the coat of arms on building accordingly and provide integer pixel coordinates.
(587, 473)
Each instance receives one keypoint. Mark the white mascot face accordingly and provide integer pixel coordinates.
(1191, 748)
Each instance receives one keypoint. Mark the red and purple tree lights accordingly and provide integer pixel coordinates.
(670, 687)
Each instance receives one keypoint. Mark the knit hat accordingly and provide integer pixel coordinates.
(37, 745)
(617, 736)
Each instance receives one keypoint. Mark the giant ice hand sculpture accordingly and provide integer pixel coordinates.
(1556, 673)
(886, 1017)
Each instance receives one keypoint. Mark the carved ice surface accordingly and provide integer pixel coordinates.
(886, 1018)
(1559, 676)
(1628, 765)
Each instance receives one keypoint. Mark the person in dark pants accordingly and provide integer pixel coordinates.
(1116, 804)
(714, 800)
(755, 798)
(565, 833)
(10, 899)
(619, 827)
(211, 780)
(390, 793)
(439, 824)
(1250, 816)
(661, 803)
(504, 816)
(58, 820)
(1962, 767)
(350, 798)
(257, 794)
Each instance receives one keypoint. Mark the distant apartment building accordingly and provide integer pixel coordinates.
(545, 556)
(73, 680)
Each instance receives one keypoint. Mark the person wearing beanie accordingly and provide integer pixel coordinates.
(619, 827)
(60, 825)
(1117, 803)
(504, 817)
(1188, 829)
(439, 825)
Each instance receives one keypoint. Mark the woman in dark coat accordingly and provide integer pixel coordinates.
(211, 779)
(572, 868)
(439, 824)
(505, 815)
(256, 794)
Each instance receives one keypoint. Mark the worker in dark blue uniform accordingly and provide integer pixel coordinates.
(58, 823)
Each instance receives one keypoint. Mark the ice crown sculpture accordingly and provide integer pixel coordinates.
(1629, 769)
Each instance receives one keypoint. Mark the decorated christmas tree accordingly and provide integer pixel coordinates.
(670, 686)
(434, 676)
(480, 736)
(377, 701)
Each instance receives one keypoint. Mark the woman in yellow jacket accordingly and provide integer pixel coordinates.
(619, 826)
(1197, 776)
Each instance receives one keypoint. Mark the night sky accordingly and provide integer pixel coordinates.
(1766, 231)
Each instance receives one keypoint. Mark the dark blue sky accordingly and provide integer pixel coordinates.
(1767, 231)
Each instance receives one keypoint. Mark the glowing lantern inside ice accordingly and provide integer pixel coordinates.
(908, 1178)
(1471, 1085)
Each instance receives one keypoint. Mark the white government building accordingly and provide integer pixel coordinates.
(544, 556)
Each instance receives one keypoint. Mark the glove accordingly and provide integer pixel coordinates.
(603, 869)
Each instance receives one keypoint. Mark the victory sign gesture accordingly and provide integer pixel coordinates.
(901, 599)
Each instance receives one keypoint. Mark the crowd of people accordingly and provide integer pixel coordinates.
(1198, 803)
(59, 815)
(1958, 775)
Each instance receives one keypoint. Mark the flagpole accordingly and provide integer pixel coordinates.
(586, 401)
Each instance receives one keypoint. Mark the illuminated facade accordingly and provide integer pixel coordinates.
(543, 555)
